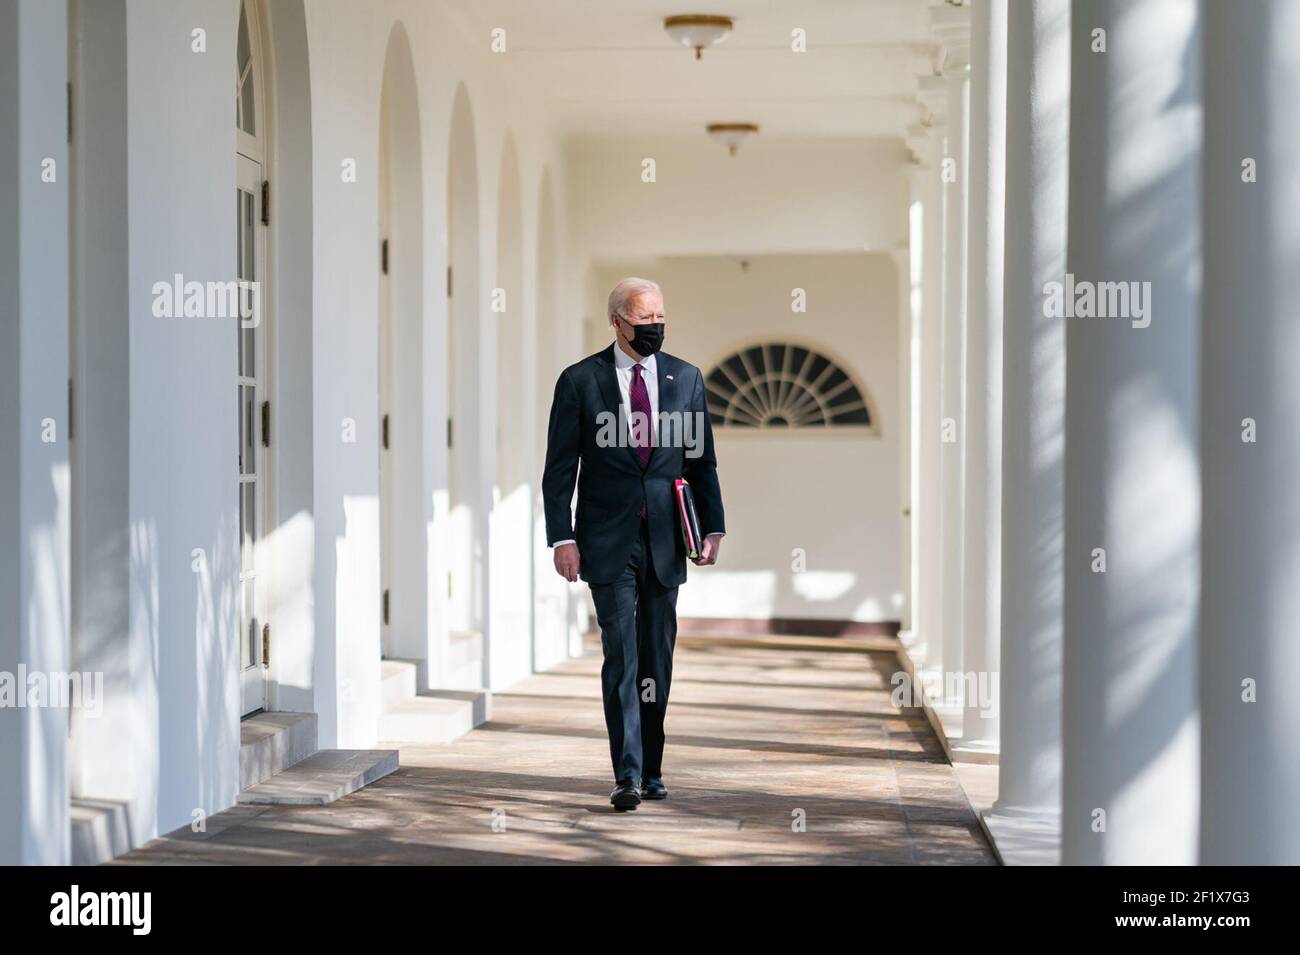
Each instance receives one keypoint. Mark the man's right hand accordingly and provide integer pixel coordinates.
(566, 562)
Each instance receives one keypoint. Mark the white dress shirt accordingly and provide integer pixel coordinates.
(650, 375)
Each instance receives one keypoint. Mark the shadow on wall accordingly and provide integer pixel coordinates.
(199, 744)
(216, 670)
(41, 730)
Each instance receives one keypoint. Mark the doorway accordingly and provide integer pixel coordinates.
(405, 510)
(252, 372)
(386, 476)
(468, 392)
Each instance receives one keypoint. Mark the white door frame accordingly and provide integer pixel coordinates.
(254, 379)
(386, 484)
(252, 392)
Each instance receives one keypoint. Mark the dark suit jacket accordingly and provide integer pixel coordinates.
(611, 484)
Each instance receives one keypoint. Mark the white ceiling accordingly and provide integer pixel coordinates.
(605, 69)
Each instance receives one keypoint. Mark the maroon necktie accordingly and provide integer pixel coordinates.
(641, 421)
(640, 399)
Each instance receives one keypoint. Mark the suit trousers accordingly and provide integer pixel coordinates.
(638, 631)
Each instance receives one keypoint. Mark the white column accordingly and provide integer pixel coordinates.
(926, 517)
(1033, 410)
(34, 469)
(1250, 434)
(953, 425)
(902, 258)
(982, 461)
(1130, 725)
(104, 761)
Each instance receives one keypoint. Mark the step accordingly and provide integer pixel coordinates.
(434, 716)
(464, 661)
(100, 830)
(480, 701)
(270, 743)
(322, 778)
(398, 681)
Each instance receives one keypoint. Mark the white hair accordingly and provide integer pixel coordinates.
(625, 291)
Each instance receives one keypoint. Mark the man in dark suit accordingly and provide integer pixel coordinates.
(635, 419)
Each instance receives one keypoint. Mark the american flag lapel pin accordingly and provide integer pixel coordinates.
(669, 377)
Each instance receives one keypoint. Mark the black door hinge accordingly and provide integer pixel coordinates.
(266, 645)
(266, 202)
(449, 432)
(385, 607)
(383, 257)
(266, 424)
(449, 281)
(383, 432)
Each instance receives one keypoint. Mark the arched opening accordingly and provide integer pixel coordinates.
(403, 550)
(274, 250)
(466, 660)
(549, 362)
(511, 550)
(551, 593)
(289, 544)
(252, 155)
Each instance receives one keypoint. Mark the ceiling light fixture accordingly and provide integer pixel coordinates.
(732, 135)
(696, 30)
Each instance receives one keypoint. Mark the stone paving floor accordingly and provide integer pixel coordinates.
(774, 756)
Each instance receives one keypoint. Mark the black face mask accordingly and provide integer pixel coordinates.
(647, 338)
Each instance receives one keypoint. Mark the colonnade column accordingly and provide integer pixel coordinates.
(1132, 508)
(903, 268)
(1033, 410)
(1250, 437)
(952, 25)
(982, 412)
(926, 616)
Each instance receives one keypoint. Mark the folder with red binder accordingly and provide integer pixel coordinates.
(689, 518)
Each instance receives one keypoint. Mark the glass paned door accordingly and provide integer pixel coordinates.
(386, 423)
(252, 458)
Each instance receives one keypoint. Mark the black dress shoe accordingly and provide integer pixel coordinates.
(625, 797)
(653, 789)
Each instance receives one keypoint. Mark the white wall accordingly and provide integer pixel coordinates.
(827, 196)
(834, 495)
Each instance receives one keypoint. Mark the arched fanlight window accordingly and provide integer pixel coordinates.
(245, 79)
(784, 386)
